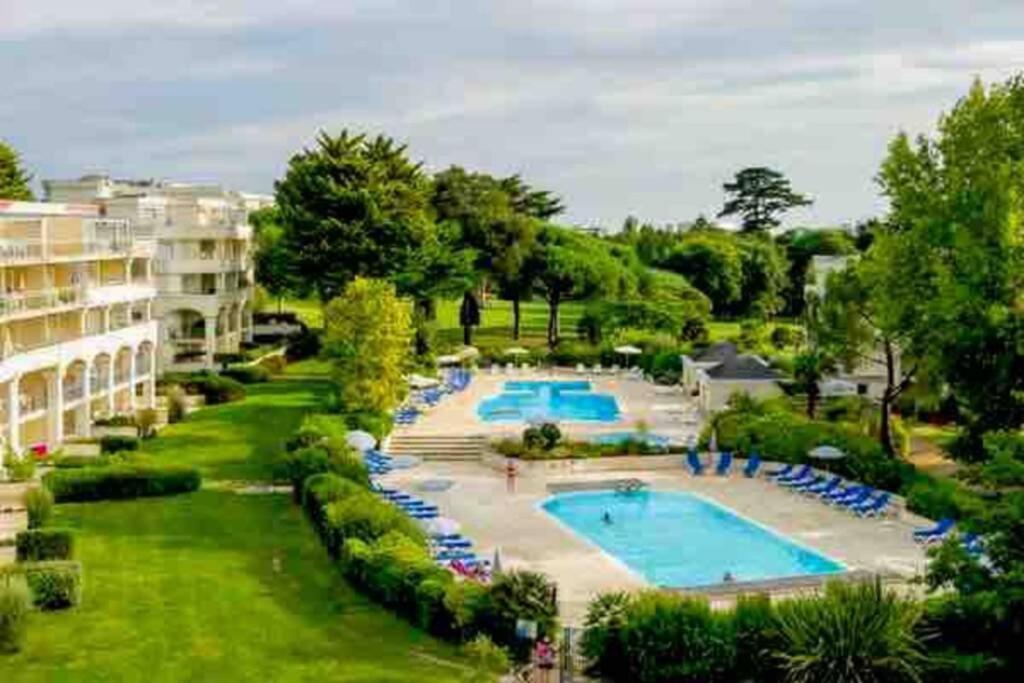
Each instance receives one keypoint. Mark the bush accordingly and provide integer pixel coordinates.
(550, 434)
(212, 387)
(77, 461)
(938, 498)
(116, 444)
(756, 632)
(306, 344)
(38, 507)
(177, 405)
(54, 585)
(368, 518)
(120, 420)
(302, 463)
(377, 423)
(602, 631)
(852, 633)
(19, 468)
(533, 439)
(275, 365)
(468, 605)
(318, 492)
(145, 421)
(518, 595)
(128, 480)
(15, 602)
(36, 545)
(247, 374)
(486, 657)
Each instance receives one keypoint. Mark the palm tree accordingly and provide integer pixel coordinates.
(809, 368)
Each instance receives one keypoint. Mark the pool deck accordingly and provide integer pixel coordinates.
(496, 518)
(664, 409)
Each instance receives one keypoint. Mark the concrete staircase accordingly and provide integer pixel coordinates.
(438, 446)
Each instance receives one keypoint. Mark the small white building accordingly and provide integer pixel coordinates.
(719, 371)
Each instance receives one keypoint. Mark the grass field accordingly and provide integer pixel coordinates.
(220, 586)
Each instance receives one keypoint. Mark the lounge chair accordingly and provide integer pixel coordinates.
(597, 369)
(427, 514)
(449, 555)
(854, 500)
(872, 508)
(753, 464)
(935, 533)
(724, 463)
(581, 369)
(823, 487)
(454, 543)
(806, 483)
(784, 472)
(838, 493)
(800, 473)
(615, 369)
(695, 464)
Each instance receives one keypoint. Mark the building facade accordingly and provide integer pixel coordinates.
(203, 264)
(78, 336)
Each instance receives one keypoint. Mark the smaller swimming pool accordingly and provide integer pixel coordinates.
(523, 401)
(653, 440)
(682, 540)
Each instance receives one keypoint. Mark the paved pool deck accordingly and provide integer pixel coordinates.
(663, 409)
(496, 518)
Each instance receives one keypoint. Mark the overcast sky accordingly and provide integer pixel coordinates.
(621, 106)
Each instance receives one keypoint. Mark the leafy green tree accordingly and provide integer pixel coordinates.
(14, 180)
(874, 314)
(763, 267)
(958, 199)
(368, 339)
(351, 206)
(271, 257)
(809, 369)
(575, 266)
(529, 201)
(712, 264)
(760, 196)
(800, 246)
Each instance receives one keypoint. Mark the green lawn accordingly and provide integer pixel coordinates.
(220, 586)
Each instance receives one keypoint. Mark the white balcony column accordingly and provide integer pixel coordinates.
(14, 415)
(106, 318)
(151, 379)
(248, 326)
(238, 322)
(111, 366)
(55, 406)
(211, 340)
(149, 271)
(87, 403)
(131, 382)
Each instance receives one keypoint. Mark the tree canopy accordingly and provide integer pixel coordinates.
(760, 195)
(14, 179)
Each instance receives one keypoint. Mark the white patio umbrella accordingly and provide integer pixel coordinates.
(628, 350)
(516, 351)
(360, 440)
(826, 453)
(421, 382)
(441, 526)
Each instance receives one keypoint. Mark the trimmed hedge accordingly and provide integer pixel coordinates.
(15, 603)
(36, 545)
(38, 507)
(247, 374)
(133, 480)
(54, 584)
(73, 462)
(214, 388)
(117, 444)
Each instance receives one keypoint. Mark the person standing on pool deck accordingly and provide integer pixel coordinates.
(510, 475)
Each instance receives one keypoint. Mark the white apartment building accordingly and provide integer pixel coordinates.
(77, 335)
(203, 264)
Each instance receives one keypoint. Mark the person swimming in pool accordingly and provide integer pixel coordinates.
(606, 518)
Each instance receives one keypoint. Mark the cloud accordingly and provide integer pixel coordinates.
(641, 107)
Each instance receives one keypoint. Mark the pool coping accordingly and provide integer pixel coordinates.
(845, 572)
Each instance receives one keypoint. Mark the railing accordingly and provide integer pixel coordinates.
(40, 299)
(121, 375)
(73, 392)
(99, 381)
(31, 403)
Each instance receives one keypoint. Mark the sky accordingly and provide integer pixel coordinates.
(641, 107)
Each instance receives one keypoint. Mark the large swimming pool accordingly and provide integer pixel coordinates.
(542, 400)
(680, 540)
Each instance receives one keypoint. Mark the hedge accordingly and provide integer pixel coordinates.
(247, 374)
(55, 584)
(116, 444)
(36, 545)
(214, 388)
(133, 480)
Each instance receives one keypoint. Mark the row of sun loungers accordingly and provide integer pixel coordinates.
(455, 380)
(861, 500)
(450, 550)
(723, 467)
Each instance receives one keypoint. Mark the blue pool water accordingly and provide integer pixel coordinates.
(540, 400)
(654, 440)
(680, 540)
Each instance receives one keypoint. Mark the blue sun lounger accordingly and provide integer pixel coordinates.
(823, 487)
(724, 463)
(753, 463)
(784, 472)
(854, 499)
(806, 483)
(801, 473)
(846, 492)
(871, 508)
(935, 533)
(694, 462)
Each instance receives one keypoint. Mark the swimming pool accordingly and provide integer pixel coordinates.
(652, 440)
(682, 540)
(524, 401)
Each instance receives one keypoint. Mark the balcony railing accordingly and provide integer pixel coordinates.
(20, 251)
(73, 392)
(122, 375)
(40, 299)
(31, 403)
(99, 381)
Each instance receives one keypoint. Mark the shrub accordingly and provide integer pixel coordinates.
(468, 605)
(77, 461)
(275, 364)
(486, 657)
(318, 492)
(302, 463)
(216, 389)
(391, 569)
(36, 545)
(55, 584)
(247, 374)
(145, 421)
(518, 595)
(938, 498)
(533, 439)
(38, 507)
(224, 359)
(116, 444)
(19, 468)
(367, 518)
(852, 633)
(128, 480)
(550, 435)
(306, 344)
(377, 423)
(120, 420)
(756, 632)
(602, 631)
(15, 602)
(177, 405)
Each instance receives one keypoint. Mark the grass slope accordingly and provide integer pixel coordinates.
(220, 586)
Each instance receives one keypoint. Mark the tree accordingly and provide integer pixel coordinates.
(763, 269)
(469, 317)
(351, 206)
(874, 314)
(14, 180)
(573, 266)
(760, 195)
(802, 245)
(368, 339)
(541, 204)
(271, 257)
(809, 369)
(712, 264)
(958, 200)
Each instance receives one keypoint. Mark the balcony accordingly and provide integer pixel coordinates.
(99, 238)
(15, 303)
(74, 392)
(29, 404)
